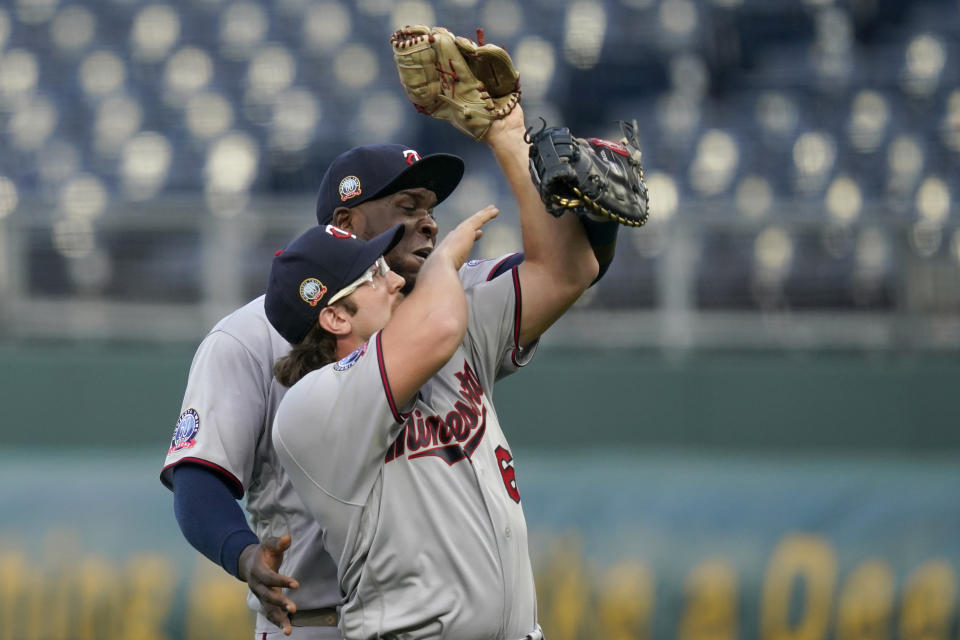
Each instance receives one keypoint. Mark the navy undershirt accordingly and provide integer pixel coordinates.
(600, 233)
(210, 516)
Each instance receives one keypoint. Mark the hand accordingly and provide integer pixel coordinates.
(459, 242)
(258, 568)
(508, 127)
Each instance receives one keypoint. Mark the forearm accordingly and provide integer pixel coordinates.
(209, 516)
(559, 263)
(428, 327)
(559, 245)
(439, 294)
(425, 330)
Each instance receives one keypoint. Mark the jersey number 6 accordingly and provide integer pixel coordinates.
(505, 462)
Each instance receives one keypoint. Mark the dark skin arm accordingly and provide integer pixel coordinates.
(258, 567)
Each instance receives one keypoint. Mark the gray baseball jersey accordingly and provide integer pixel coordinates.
(419, 504)
(228, 407)
(229, 403)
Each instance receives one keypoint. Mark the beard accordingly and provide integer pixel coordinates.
(408, 269)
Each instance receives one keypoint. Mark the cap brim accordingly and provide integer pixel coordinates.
(375, 247)
(438, 172)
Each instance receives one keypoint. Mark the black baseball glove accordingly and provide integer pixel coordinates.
(592, 177)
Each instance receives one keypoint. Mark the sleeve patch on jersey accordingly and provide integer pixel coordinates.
(185, 432)
(351, 359)
(476, 261)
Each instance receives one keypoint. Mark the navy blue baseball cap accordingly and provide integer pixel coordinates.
(376, 170)
(311, 270)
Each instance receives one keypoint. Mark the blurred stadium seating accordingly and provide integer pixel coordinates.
(802, 155)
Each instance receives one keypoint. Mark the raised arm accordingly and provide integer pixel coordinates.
(429, 325)
(559, 262)
(478, 92)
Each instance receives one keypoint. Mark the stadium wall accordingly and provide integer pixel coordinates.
(107, 395)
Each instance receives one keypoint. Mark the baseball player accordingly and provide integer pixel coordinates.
(219, 452)
(391, 438)
(220, 449)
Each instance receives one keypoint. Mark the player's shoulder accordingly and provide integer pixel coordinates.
(249, 327)
(332, 376)
(245, 318)
(480, 270)
(248, 322)
(307, 397)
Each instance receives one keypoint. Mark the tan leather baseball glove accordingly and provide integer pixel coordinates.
(455, 79)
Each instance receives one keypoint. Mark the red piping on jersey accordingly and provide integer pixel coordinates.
(497, 266)
(210, 465)
(516, 316)
(386, 383)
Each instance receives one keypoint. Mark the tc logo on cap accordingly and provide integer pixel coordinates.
(411, 156)
(311, 290)
(349, 188)
(338, 233)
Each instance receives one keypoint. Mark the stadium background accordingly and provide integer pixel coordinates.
(746, 430)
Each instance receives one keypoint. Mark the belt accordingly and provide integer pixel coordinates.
(315, 618)
(328, 618)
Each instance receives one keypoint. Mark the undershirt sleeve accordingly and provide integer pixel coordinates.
(210, 518)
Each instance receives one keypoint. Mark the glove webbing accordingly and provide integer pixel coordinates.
(573, 203)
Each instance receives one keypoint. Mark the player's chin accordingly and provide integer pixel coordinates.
(409, 270)
(409, 282)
